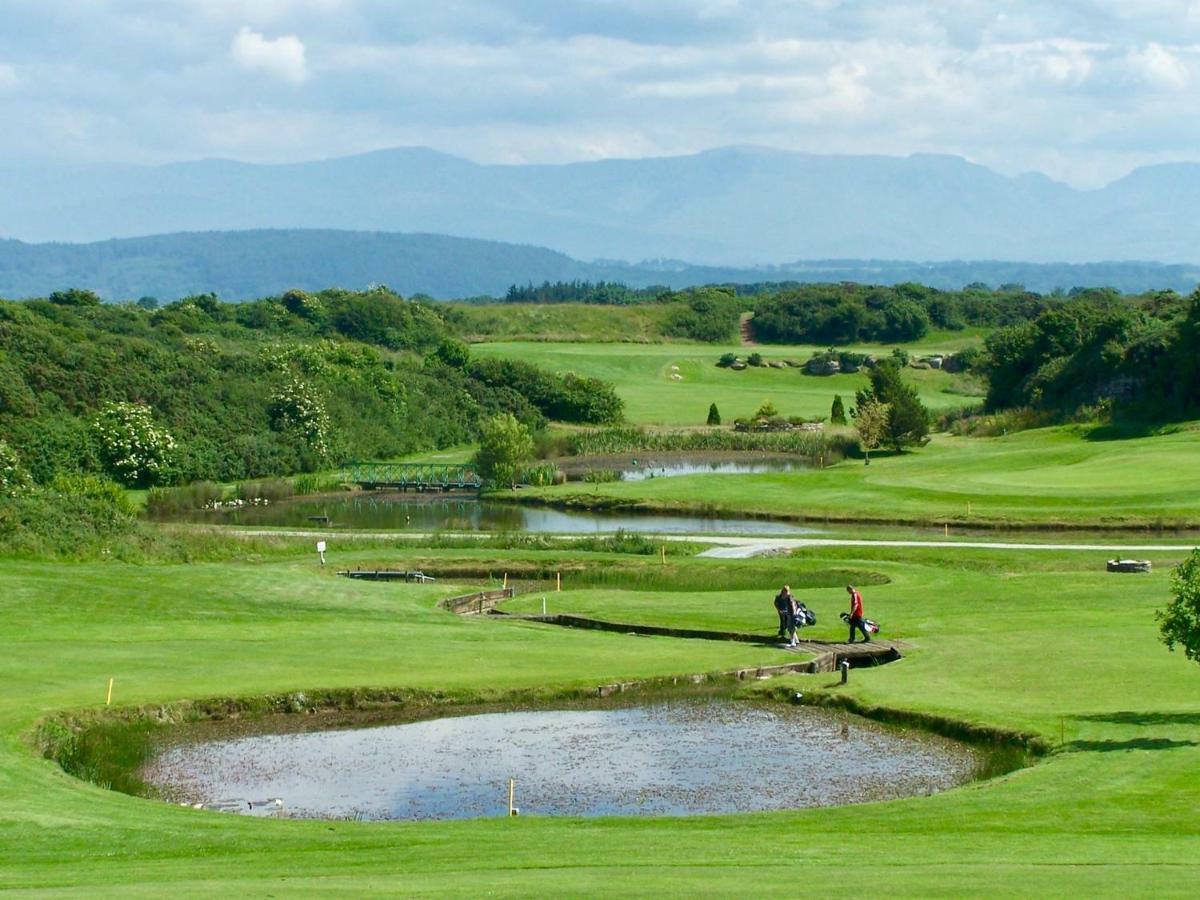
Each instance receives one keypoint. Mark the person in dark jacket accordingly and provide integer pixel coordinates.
(856, 614)
(785, 605)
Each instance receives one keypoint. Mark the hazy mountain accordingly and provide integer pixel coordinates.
(247, 264)
(732, 206)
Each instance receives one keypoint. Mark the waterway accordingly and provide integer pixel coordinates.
(429, 513)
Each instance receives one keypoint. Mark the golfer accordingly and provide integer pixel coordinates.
(856, 614)
(785, 607)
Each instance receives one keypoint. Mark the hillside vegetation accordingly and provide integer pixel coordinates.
(206, 390)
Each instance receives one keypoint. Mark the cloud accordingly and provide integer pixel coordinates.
(1159, 67)
(282, 57)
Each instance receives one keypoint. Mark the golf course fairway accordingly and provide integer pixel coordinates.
(1049, 645)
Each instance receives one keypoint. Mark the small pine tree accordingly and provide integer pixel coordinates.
(714, 417)
(837, 412)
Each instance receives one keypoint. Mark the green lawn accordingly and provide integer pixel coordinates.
(642, 374)
(1044, 476)
(1050, 644)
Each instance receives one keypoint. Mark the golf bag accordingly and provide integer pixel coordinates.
(869, 625)
(804, 617)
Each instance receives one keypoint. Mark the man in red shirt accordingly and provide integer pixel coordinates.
(856, 614)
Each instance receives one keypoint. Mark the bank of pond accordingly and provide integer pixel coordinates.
(679, 752)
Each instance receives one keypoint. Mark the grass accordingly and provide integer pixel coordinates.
(642, 374)
(560, 322)
(1049, 644)
(1048, 477)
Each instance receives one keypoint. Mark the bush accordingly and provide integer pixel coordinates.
(134, 449)
(727, 360)
(837, 412)
(714, 415)
(754, 359)
(74, 516)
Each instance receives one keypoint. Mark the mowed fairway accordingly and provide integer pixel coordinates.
(1052, 645)
(1046, 476)
(643, 376)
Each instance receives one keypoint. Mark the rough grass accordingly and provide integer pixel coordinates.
(1058, 648)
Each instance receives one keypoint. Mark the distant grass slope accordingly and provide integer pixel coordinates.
(570, 322)
(1063, 475)
(643, 376)
(1059, 648)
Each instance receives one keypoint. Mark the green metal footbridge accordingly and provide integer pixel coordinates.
(373, 476)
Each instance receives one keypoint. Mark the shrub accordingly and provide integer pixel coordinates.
(837, 412)
(727, 360)
(754, 359)
(714, 415)
(134, 449)
(14, 478)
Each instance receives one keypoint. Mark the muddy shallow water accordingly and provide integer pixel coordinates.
(675, 757)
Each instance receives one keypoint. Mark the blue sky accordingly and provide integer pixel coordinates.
(1083, 90)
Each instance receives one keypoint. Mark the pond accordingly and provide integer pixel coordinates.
(674, 469)
(673, 757)
(399, 512)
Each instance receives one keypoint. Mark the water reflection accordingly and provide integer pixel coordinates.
(397, 512)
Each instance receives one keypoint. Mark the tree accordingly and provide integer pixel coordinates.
(870, 421)
(908, 419)
(714, 417)
(504, 448)
(837, 412)
(75, 297)
(1179, 623)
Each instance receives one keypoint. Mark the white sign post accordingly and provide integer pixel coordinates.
(321, 551)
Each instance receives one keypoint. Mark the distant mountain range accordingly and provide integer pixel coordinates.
(246, 264)
(737, 206)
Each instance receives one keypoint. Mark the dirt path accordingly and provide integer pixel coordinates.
(747, 330)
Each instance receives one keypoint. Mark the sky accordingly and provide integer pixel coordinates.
(1082, 90)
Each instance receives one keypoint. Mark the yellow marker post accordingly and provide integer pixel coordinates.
(664, 554)
(512, 784)
(946, 525)
(108, 699)
(968, 507)
(506, 581)
(558, 581)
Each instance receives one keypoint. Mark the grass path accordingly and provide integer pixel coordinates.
(1050, 644)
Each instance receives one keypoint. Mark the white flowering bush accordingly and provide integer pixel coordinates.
(14, 479)
(135, 450)
(297, 408)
